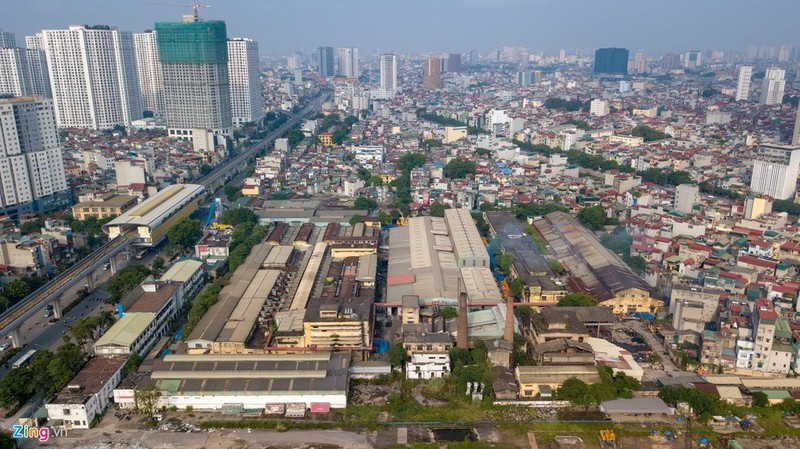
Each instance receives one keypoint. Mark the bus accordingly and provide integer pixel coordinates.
(25, 359)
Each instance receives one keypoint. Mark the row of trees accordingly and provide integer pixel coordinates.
(243, 238)
(46, 374)
(611, 386)
(648, 134)
(125, 281)
(185, 233)
(447, 121)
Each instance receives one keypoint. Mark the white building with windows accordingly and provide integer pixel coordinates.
(775, 170)
(151, 77)
(93, 76)
(247, 102)
(743, 84)
(348, 62)
(368, 155)
(31, 162)
(773, 86)
(598, 107)
(428, 365)
(388, 87)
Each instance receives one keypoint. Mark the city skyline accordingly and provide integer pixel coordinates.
(714, 24)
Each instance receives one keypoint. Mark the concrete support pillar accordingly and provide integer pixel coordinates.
(57, 312)
(90, 281)
(113, 262)
(16, 338)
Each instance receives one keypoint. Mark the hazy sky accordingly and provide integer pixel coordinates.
(281, 26)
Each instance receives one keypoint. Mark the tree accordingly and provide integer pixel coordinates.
(72, 356)
(124, 281)
(397, 355)
(517, 287)
(760, 399)
(15, 387)
(205, 169)
(30, 227)
(448, 312)
(356, 218)
(232, 192)
(17, 290)
(238, 215)
(506, 259)
(185, 233)
(146, 399)
(556, 266)
(594, 217)
(363, 202)
(575, 391)
(577, 300)
(375, 181)
(432, 143)
(437, 209)
(648, 134)
(458, 168)
(482, 152)
(158, 263)
(59, 374)
(131, 365)
(295, 136)
(411, 160)
(384, 218)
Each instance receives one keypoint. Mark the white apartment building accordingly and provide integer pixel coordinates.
(92, 76)
(14, 71)
(247, 102)
(151, 78)
(743, 85)
(348, 62)
(598, 107)
(31, 162)
(37, 66)
(7, 39)
(775, 171)
(686, 196)
(773, 85)
(388, 75)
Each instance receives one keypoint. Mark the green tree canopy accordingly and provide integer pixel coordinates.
(363, 202)
(760, 399)
(575, 391)
(411, 160)
(437, 209)
(506, 259)
(594, 217)
(397, 355)
(185, 232)
(124, 281)
(17, 290)
(577, 300)
(648, 134)
(238, 215)
(458, 168)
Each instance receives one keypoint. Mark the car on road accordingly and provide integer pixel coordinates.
(4, 346)
(107, 266)
(48, 313)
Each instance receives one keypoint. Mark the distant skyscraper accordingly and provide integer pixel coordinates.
(773, 85)
(454, 62)
(775, 170)
(14, 72)
(244, 69)
(151, 75)
(670, 62)
(389, 74)
(7, 40)
(32, 174)
(693, 59)
(37, 66)
(611, 62)
(326, 62)
(194, 61)
(524, 78)
(743, 85)
(432, 73)
(473, 57)
(562, 55)
(93, 76)
(349, 66)
(640, 62)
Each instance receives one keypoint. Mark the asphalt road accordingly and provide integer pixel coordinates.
(38, 333)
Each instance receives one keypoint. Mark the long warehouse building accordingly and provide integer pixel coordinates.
(153, 217)
(593, 268)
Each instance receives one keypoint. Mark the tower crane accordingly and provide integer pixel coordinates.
(194, 5)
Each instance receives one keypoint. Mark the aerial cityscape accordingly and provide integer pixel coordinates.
(355, 224)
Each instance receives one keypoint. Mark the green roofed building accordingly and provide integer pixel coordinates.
(194, 60)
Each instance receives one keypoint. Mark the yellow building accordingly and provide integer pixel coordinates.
(108, 205)
(326, 139)
(545, 380)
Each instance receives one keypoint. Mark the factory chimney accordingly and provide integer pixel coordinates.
(462, 341)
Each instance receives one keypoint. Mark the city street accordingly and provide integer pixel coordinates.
(39, 333)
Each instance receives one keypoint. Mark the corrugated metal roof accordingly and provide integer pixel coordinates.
(125, 331)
